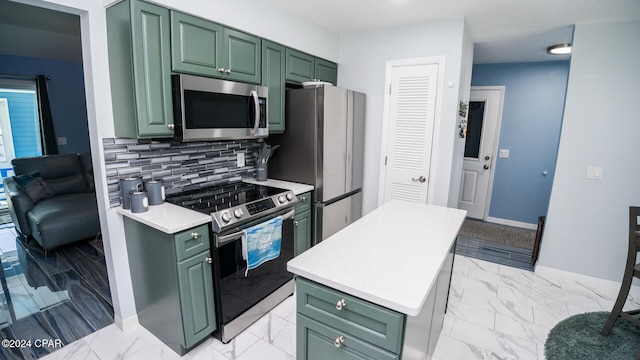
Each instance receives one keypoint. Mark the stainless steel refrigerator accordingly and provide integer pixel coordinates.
(323, 145)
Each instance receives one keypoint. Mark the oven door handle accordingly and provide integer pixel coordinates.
(221, 240)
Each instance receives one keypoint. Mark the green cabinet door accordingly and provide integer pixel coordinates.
(299, 66)
(195, 282)
(326, 71)
(302, 232)
(273, 68)
(242, 56)
(140, 69)
(196, 45)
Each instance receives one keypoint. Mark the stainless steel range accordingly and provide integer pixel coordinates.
(243, 297)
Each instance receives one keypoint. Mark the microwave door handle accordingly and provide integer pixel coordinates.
(256, 104)
(227, 238)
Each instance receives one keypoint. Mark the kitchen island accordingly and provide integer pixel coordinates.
(378, 288)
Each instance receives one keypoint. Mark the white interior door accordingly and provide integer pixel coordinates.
(485, 111)
(411, 114)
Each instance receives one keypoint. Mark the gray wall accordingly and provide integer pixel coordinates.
(587, 223)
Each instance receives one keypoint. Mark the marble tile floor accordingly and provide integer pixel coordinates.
(60, 298)
(494, 312)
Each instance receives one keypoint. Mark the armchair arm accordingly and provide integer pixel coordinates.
(19, 204)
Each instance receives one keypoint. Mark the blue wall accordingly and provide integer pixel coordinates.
(531, 120)
(66, 95)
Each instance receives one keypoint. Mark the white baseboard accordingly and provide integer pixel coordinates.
(126, 324)
(519, 224)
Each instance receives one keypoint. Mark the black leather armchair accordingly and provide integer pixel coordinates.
(69, 214)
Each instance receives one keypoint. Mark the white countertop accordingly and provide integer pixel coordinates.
(171, 218)
(168, 218)
(390, 257)
(297, 188)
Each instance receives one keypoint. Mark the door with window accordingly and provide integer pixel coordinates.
(485, 111)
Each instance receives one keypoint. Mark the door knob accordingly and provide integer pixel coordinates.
(486, 167)
(421, 179)
(487, 157)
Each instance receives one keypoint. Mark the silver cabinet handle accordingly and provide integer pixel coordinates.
(195, 235)
(208, 260)
(421, 179)
(303, 198)
(171, 126)
(340, 304)
(295, 223)
(338, 341)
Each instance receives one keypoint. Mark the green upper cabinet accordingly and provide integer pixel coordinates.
(273, 68)
(201, 47)
(326, 71)
(196, 45)
(242, 56)
(140, 69)
(301, 67)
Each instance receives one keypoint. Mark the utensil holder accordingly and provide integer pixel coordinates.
(261, 172)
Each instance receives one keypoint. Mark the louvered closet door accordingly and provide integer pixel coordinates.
(412, 114)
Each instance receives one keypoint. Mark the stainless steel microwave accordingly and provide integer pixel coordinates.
(213, 109)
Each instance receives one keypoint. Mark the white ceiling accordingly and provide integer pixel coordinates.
(502, 30)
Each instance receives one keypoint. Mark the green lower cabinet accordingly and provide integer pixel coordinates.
(273, 68)
(302, 224)
(335, 325)
(302, 232)
(172, 283)
(316, 341)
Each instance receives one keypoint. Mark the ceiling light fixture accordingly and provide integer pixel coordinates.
(560, 49)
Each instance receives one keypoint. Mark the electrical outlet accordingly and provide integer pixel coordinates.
(240, 159)
(594, 172)
(503, 154)
(62, 140)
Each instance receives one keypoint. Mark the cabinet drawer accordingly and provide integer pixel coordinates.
(304, 202)
(191, 242)
(316, 341)
(372, 323)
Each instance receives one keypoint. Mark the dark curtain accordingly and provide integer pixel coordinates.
(47, 132)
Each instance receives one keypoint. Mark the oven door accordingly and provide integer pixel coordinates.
(236, 293)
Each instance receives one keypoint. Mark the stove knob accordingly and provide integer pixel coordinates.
(289, 196)
(238, 213)
(226, 217)
(282, 199)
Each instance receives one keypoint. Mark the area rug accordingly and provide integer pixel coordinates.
(578, 337)
(501, 234)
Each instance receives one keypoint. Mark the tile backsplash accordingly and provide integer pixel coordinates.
(180, 166)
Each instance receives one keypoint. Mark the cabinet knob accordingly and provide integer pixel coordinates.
(171, 126)
(221, 70)
(338, 341)
(295, 223)
(303, 198)
(208, 260)
(340, 304)
(195, 235)
(227, 71)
